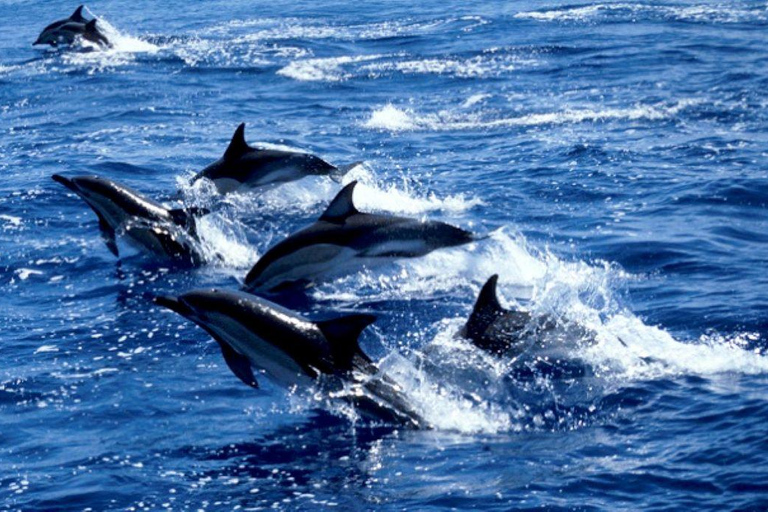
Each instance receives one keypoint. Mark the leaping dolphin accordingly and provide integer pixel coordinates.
(146, 223)
(256, 333)
(345, 240)
(66, 31)
(243, 167)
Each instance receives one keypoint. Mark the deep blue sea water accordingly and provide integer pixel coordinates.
(615, 153)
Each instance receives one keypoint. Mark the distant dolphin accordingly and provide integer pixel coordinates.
(243, 167)
(345, 240)
(256, 333)
(68, 30)
(146, 223)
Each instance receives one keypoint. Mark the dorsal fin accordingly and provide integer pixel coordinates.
(78, 14)
(486, 310)
(341, 206)
(91, 26)
(342, 334)
(237, 146)
(487, 301)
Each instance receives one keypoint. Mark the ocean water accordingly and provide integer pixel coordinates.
(615, 153)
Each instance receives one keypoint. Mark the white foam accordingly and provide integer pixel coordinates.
(441, 405)
(25, 273)
(11, 221)
(391, 118)
(313, 193)
(702, 12)
(123, 50)
(651, 352)
(395, 119)
(329, 69)
(490, 63)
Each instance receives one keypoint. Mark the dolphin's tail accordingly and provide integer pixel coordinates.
(338, 172)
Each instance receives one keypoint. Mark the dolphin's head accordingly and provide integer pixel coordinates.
(115, 201)
(95, 190)
(201, 306)
(52, 37)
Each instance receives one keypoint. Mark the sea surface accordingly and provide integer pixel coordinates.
(615, 154)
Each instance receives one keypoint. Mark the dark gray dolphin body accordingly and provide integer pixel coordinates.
(243, 167)
(146, 223)
(256, 333)
(68, 30)
(345, 240)
(514, 333)
(493, 328)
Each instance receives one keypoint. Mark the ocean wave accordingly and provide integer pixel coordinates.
(713, 13)
(268, 29)
(490, 63)
(329, 69)
(392, 118)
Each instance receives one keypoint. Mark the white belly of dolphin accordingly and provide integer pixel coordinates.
(226, 185)
(281, 175)
(263, 355)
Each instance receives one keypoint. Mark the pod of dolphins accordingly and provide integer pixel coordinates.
(255, 332)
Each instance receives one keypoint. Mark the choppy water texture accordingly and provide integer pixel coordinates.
(616, 154)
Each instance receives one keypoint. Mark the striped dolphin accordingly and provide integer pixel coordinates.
(148, 225)
(253, 332)
(243, 167)
(344, 240)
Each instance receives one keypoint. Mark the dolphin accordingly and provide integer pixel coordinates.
(243, 167)
(345, 240)
(514, 333)
(66, 31)
(492, 328)
(293, 351)
(146, 223)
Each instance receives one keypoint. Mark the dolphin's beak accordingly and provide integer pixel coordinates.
(173, 303)
(58, 178)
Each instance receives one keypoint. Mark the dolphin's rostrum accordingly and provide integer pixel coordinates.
(169, 233)
(256, 333)
(344, 240)
(243, 167)
(66, 31)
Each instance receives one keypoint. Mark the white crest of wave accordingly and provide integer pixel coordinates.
(443, 406)
(123, 49)
(718, 13)
(491, 62)
(650, 352)
(313, 193)
(392, 118)
(223, 240)
(328, 69)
